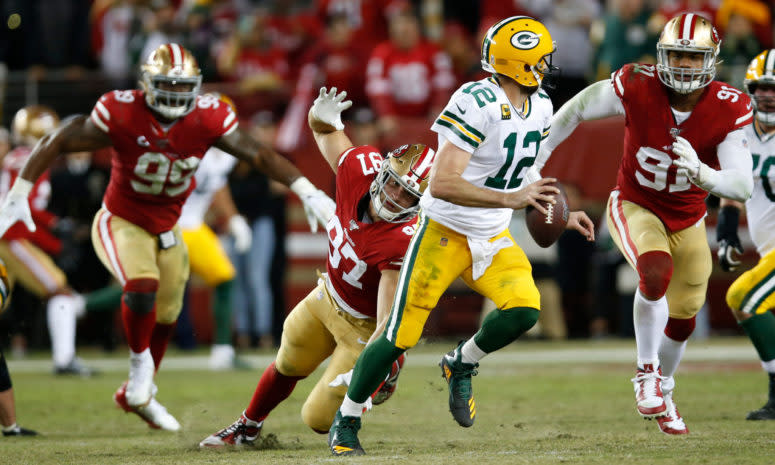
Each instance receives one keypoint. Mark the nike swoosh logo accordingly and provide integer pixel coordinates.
(361, 341)
(462, 112)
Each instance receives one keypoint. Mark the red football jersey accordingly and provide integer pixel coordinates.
(358, 251)
(152, 170)
(647, 176)
(38, 201)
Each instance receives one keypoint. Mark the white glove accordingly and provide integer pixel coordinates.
(16, 207)
(241, 232)
(344, 379)
(328, 107)
(687, 157)
(318, 207)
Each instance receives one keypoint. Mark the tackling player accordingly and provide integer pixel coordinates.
(160, 134)
(489, 134)
(683, 138)
(752, 295)
(27, 254)
(376, 202)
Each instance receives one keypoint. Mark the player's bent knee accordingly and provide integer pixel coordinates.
(680, 329)
(140, 295)
(317, 419)
(655, 268)
(735, 295)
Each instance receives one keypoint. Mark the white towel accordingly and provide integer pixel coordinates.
(482, 252)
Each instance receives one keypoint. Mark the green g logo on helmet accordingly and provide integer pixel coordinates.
(525, 40)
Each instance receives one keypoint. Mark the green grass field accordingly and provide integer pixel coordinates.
(538, 403)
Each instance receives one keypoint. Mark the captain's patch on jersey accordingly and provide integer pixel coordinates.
(505, 111)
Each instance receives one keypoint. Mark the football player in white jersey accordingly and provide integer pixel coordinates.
(489, 135)
(752, 295)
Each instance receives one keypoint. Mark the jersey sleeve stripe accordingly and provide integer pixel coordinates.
(344, 155)
(453, 117)
(545, 133)
(95, 117)
(455, 130)
(231, 129)
(103, 111)
(229, 119)
(618, 83)
(743, 118)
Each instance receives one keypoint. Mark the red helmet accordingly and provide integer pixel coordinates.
(410, 165)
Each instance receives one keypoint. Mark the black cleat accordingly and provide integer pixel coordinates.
(461, 395)
(19, 431)
(765, 413)
(343, 436)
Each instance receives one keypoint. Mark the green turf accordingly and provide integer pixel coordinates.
(544, 413)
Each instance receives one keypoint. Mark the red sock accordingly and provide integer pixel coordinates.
(138, 327)
(273, 388)
(160, 337)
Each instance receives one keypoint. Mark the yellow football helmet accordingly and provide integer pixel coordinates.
(410, 165)
(31, 123)
(692, 33)
(171, 65)
(519, 47)
(762, 71)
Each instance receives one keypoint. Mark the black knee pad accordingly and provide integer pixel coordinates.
(5, 377)
(139, 302)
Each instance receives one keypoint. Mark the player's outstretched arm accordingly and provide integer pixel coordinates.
(318, 207)
(76, 134)
(388, 282)
(325, 121)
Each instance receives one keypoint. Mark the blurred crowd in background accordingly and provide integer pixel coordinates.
(399, 61)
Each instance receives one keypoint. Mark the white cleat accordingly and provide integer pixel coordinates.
(648, 391)
(139, 389)
(221, 357)
(156, 414)
(672, 422)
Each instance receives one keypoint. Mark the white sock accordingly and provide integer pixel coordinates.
(471, 353)
(10, 428)
(61, 329)
(769, 366)
(670, 354)
(350, 408)
(649, 318)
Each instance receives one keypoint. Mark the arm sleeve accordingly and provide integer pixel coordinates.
(598, 100)
(734, 180)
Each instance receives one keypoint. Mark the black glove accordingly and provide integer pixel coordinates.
(729, 247)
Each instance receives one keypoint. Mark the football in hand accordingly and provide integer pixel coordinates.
(547, 228)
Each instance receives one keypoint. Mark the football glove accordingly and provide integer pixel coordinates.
(687, 157)
(729, 247)
(16, 207)
(318, 207)
(241, 232)
(328, 107)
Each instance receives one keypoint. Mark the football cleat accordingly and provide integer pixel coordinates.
(388, 387)
(671, 422)
(152, 413)
(343, 436)
(648, 391)
(461, 396)
(767, 412)
(19, 431)
(139, 388)
(242, 432)
(76, 368)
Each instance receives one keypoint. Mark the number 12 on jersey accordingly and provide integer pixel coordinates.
(499, 181)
